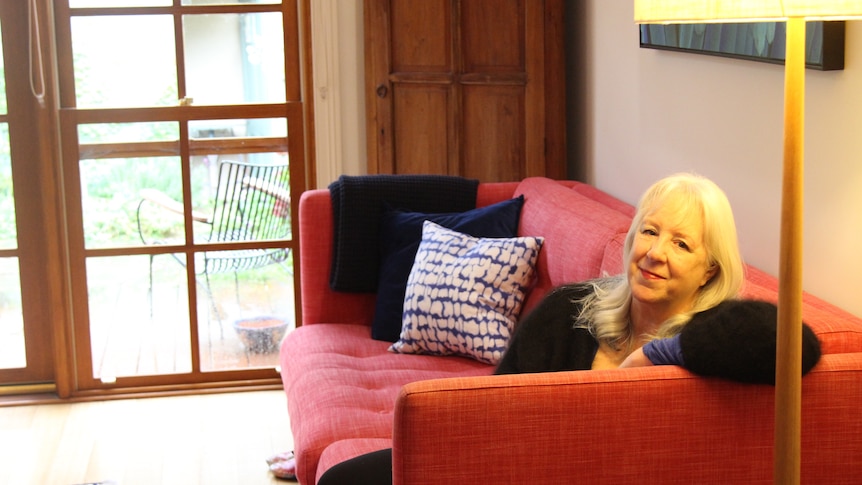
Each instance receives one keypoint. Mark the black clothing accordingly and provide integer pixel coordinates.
(374, 467)
(734, 340)
(546, 340)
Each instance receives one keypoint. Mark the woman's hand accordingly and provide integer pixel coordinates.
(636, 359)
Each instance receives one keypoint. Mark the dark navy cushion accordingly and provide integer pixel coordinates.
(400, 234)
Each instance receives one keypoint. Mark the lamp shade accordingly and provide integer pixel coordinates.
(671, 11)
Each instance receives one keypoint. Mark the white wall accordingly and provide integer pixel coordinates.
(650, 113)
(339, 86)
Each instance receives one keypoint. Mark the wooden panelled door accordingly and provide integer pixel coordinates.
(466, 87)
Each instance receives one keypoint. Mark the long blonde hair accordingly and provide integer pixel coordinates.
(605, 313)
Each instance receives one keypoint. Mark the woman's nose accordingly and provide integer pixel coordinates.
(658, 250)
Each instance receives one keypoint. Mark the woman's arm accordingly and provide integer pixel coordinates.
(734, 340)
(639, 359)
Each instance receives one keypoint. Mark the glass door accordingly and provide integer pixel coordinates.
(182, 133)
(13, 352)
(26, 298)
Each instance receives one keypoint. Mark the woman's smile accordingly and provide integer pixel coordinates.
(649, 275)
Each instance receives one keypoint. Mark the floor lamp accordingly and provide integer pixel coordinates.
(788, 380)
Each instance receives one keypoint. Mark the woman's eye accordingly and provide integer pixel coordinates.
(682, 245)
(648, 232)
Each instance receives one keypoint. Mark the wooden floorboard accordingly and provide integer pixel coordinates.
(200, 439)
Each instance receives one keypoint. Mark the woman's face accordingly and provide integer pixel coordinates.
(668, 263)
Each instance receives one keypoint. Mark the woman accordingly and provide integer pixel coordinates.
(681, 257)
(674, 304)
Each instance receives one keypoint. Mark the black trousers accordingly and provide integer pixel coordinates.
(373, 468)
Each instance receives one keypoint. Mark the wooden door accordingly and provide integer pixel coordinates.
(465, 87)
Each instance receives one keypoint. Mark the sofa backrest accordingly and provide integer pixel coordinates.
(577, 231)
(838, 330)
(584, 230)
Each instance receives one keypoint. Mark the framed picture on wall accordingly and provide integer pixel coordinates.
(761, 41)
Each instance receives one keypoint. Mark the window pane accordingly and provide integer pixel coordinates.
(128, 132)
(124, 61)
(2, 85)
(247, 199)
(12, 350)
(234, 58)
(130, 334)
(119, 3)
(244, 314)
(228, 2)
(267, 127)
(8, 229)
(133, 201)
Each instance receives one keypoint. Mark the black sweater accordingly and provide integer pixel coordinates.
(734, 340)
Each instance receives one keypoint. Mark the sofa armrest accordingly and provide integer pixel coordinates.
(648, 425)
(320, 304)
(619, 426)
(549, 428)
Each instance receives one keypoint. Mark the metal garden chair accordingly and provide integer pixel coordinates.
(252, 203)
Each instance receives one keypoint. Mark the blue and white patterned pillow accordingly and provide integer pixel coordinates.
(464, 294)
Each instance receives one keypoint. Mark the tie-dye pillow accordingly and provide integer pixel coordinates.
(464, 294)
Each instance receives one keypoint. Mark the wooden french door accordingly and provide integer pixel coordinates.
(113, 154)
(155, 97)
(465, 87)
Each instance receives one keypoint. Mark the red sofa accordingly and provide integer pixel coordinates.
(449, 421)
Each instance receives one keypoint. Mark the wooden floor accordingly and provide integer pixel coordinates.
(201, 439)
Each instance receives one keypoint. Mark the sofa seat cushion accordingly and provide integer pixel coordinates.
(344, 385)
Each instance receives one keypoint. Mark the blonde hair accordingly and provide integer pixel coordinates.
(605, 313)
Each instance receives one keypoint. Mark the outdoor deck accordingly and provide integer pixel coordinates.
(130, 339)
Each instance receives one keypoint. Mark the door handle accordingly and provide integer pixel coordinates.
(382, 91)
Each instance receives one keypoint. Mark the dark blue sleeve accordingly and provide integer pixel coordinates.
(666, 351)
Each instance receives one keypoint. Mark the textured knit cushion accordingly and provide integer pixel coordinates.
(464, 294)
(400, 233)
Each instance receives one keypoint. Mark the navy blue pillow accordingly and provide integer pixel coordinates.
(400, 235)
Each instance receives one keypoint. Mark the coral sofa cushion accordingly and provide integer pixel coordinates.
(400, 233)
(465, 294)
(344, 385)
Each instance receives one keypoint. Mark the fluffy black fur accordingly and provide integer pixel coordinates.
(746, 331)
